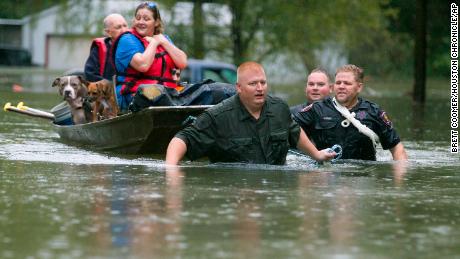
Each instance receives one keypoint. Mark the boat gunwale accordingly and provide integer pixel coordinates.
(132, 114)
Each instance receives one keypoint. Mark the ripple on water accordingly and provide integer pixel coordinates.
(430, 153)
(421, 154)
(61, 153)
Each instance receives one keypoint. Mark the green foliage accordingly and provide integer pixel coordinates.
(12, 9)
(82, 15)
(402, 26)
(377, 35)
(340, 23)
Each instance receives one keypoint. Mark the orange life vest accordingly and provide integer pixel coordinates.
(160, 72)
(102, 53)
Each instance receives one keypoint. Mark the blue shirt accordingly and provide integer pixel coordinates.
(128, 46)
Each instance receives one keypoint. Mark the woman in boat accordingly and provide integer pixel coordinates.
(144, 55)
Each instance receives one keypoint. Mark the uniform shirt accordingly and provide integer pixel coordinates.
(322, 123)
(297, 108)
(93, 64)
(228, 133)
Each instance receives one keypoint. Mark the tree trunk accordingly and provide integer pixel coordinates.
(237, 9)
(420, 52)
(198, 30)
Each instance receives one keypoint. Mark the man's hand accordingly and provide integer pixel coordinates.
(326, 155)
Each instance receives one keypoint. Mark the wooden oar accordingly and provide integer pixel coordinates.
(21, 106)
(29, 111)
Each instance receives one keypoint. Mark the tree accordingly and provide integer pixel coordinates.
(307, 27)
(420, 52)
(198, 30)
(260, 28)
(11, 9)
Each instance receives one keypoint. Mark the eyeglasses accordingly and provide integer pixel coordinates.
(151, 5)
(175, 72)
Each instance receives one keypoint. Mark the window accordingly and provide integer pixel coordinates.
(220, 75)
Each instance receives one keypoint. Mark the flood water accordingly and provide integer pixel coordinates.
(60, 201)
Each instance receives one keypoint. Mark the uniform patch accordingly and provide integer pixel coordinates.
(307, 108)
(202, 122)
(361, 115)
(386, 119)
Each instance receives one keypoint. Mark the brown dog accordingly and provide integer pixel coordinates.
(102, 96)
(74, 91)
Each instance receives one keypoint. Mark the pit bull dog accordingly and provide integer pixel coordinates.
(102, 96)
(74, 91)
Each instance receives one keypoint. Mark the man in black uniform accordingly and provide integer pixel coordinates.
(350, 121)
(318, 87)
(249, 127)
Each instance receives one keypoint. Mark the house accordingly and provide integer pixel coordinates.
(11, 52)
(60, 37)
(10, 32)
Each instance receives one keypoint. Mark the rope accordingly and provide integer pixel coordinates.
(338, 151)
(335, 148)
(350, 118)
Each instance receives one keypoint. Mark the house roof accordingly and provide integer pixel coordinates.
(11, 22)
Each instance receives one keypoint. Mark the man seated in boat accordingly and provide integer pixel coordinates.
(317, 88)
(250, 127)
(144, 55)
(98, 66)
(356, 124)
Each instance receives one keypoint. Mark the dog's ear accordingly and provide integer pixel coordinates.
(109, 86)
(83, 81)
(56, 82)
(82, 91)
(89, 86)
(105, 86)
(97, 87)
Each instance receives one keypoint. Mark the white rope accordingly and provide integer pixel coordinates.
(350, 118)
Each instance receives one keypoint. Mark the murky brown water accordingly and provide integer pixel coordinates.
(59, 201)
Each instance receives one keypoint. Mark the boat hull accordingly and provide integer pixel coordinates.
(146, 132)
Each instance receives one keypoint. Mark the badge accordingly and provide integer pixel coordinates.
(361, 115)
(307, 108)
(386, 119)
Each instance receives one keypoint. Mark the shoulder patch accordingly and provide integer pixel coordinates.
(307, 108)
(386, 119)
(202, 122)
(221, 107)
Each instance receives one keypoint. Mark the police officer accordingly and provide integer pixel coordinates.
(327, 124)
(249, 127)
(317, 88)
